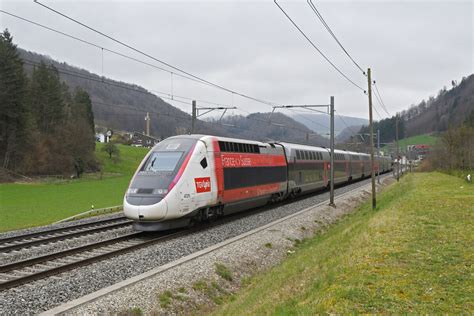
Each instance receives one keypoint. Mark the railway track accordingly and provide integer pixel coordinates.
(25, 271)
(28, 270)
(45, 237)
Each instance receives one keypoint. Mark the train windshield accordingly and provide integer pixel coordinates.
(162, 161)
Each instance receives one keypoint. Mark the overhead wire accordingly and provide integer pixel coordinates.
(98, 46)
(108, 82)
(382, 104)
(169, 96)
(344, 122)
(154, 58)
(320, 17)
(189, 75)
(317, 49)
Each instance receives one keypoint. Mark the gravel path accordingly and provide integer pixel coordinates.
(47, 293)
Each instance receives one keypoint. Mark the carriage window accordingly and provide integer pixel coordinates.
(162, 161)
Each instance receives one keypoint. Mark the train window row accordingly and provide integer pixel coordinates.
(339, 157)
(235, 178)
(238, 147)
(308, 155)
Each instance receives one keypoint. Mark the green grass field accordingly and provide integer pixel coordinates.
(424, 139)
(26, 205)
(413, 255)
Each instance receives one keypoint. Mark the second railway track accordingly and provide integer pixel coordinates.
(57, 234)
(25, 271)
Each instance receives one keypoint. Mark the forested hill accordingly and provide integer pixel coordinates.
(449, 108)
(123, 106)
(280, 128)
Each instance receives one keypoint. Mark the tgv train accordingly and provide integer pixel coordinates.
(191, 178)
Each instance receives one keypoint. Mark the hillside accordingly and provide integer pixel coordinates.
(450, 107)
(257, 126)
(123, 106)
(347, 132)
(319, 123)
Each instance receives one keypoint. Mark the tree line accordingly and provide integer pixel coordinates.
(455, 149)
(44, 127)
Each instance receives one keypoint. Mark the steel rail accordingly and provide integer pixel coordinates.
(75, 264)
(57, 230)
(35, 242)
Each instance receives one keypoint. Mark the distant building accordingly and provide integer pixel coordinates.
(103, 138)
(142, 140)
(418, 152)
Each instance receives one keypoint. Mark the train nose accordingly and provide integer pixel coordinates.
(142, 211)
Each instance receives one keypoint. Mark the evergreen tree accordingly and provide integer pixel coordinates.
(47, 98)
(13, 111)
(83, 107)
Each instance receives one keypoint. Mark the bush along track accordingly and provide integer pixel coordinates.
(413, 254)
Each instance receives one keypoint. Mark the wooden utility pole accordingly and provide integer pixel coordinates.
(331, 184)
(147, 124)
(398, 148)
(378, 155)
(372, 164)
(193, 120)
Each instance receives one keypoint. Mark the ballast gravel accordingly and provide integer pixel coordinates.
(47, 293)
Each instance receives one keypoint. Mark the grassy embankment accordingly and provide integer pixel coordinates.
(414, 254)
(33, 204)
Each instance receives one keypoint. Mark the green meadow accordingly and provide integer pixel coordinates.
(425, 139)
(25, 205)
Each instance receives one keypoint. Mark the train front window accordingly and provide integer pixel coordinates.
(162, 161)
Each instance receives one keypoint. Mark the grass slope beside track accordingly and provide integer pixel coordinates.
(25, 205)
(414, 254)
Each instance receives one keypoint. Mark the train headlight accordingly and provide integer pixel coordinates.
(160, 191)
(132, 190)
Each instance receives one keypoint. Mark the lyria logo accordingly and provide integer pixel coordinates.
(202, 184)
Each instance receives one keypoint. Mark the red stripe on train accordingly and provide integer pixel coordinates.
(251, 192)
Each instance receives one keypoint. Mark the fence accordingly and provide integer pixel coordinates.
(93, 212)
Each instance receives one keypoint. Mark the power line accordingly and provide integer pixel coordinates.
(316, 48)
(320, 17)
(98, 46)
(299, 113)
(344, 122)
(376, 111)
(382, 104)
(154, 58)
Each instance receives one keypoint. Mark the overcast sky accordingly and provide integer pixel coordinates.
(413, 48)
